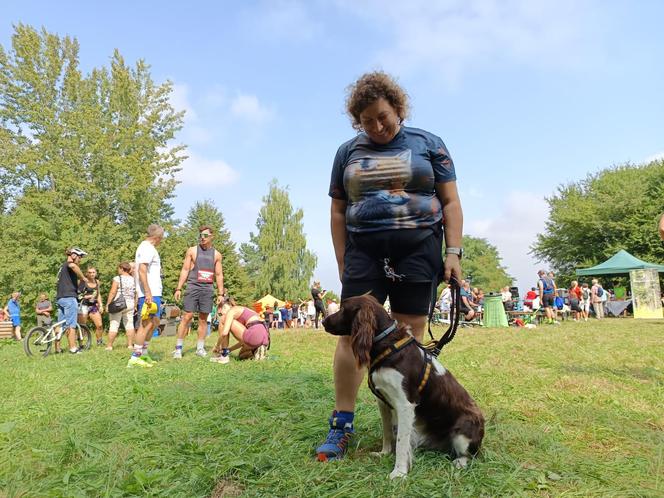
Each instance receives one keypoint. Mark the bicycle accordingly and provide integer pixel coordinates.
(39, 340)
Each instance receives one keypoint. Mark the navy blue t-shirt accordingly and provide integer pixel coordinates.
(391, 186)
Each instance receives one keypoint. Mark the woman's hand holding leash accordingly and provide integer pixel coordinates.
(452, 267)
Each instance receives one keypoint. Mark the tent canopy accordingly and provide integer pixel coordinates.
(269, 300)
(621, 262)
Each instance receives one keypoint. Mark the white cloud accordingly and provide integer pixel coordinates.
(215, 97)
(180, 102)
(199, 171)
(512, 230)
(655, 157)
(471, 192)
(453, 35)
(247, 107)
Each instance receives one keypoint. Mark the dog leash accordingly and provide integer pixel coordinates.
(455, 313)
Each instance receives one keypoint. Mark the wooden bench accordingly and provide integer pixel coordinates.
(6, 330)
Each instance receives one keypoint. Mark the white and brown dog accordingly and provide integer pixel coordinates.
(415, 393)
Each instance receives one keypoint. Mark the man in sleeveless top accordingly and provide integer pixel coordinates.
(200, 269)
(66, 298)
(547, 294)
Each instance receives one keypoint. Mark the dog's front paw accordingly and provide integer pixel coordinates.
(397, 473)
(461, 462)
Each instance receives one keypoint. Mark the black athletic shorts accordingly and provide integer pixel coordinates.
(548, 300)
(198, 299)
(403, 265)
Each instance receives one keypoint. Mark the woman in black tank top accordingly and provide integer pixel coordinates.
(91, 305)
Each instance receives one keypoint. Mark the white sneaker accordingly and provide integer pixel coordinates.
(221, 359)
(177, 354)
(201, 352)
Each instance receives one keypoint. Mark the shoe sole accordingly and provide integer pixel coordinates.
(322, 457)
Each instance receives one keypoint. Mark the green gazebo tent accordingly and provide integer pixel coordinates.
(621, 262)
(643, 279)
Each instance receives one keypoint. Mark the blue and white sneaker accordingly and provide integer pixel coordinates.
(336, 443)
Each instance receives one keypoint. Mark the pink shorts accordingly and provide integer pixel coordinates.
(255, 335)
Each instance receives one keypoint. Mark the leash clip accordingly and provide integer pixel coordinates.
(390, 273)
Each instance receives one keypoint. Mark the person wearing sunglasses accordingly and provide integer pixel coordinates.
(200, 270)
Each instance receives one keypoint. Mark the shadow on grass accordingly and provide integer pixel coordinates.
(642, 373)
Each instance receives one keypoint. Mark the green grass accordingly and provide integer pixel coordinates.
(574, 410)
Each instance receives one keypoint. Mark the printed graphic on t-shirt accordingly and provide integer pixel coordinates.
(205, 276)
(376, 187)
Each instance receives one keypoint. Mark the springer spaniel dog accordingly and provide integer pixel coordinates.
(415, 392)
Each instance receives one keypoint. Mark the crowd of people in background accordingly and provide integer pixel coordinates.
(134, 302)
(580, 300)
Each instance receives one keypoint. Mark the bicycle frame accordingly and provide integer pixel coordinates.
(52, 335)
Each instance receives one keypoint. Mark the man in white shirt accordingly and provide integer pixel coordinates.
(149, 289)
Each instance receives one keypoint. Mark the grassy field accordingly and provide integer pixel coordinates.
(574, 410)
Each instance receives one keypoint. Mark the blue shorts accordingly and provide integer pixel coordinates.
(156, 300)
(16, 320)
(68, 311)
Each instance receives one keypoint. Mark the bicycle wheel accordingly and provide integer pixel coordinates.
(34, 344)
(83, 337)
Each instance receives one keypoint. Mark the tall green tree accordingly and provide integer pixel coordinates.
(85, 160)
(482, 263)
(276, 257)
(589, 221)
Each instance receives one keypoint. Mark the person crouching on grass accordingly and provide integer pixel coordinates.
(248, 329)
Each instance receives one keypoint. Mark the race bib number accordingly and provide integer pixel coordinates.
(205, 276)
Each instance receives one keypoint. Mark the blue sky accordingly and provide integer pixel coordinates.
(527, 95)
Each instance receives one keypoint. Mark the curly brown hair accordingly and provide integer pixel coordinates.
(368, 89)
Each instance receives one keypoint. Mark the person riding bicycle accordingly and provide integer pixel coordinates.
(67, 290)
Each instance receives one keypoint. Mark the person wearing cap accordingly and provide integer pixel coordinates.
(13, 311)
(200, 270)
(66, 297)
(148, 288)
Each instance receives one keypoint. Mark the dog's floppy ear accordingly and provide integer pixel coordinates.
(362, 332)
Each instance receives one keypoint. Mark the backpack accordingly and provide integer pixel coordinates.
(547, 284)
(585, 294)
(600, 291)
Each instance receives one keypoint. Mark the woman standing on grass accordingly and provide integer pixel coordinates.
(124, 286)
(91, 306)
(575, 300)
(247, 328)
(393, 191)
